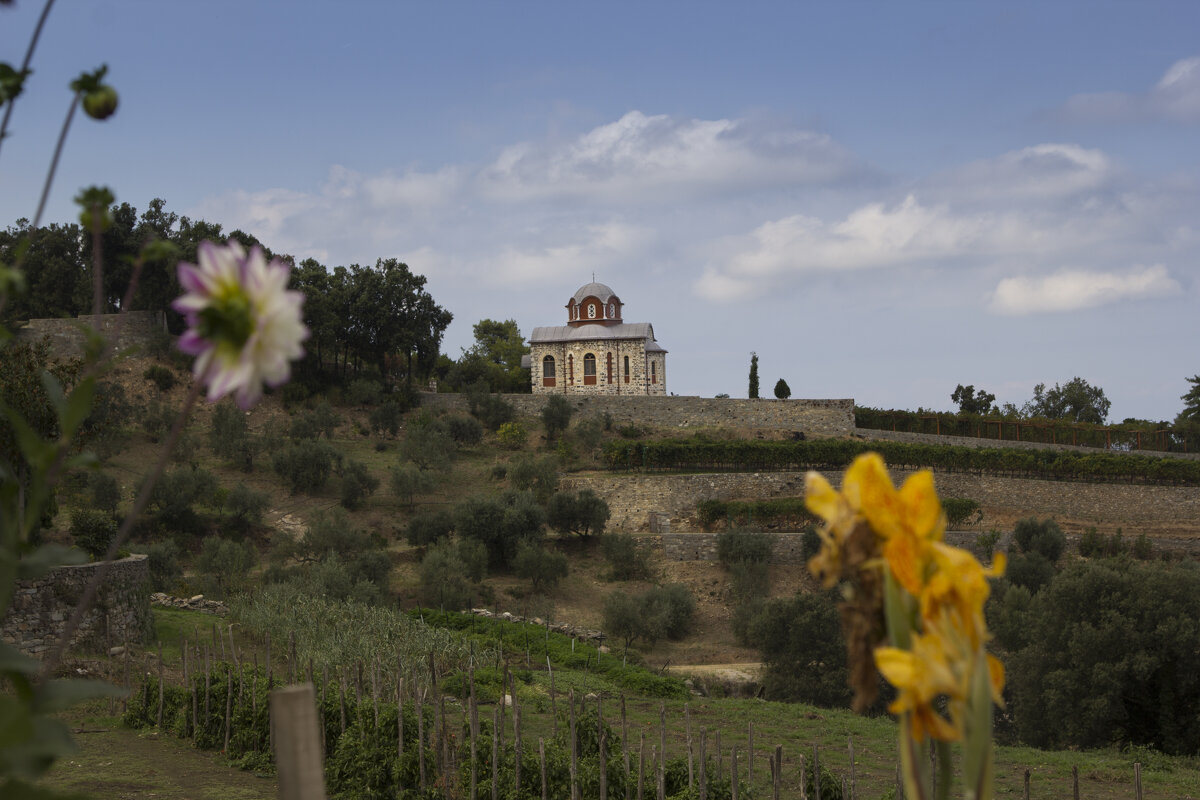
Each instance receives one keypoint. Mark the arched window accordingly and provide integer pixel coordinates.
(610, 367)
(548, 371)
(653, 372)
(589, 368)
(570, 369)
(591, 310)
(627, 369)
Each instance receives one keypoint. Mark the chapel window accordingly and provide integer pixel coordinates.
(589, 368)
(610, 367)
(571, 369)
(591, 310)
(548, 371)
(627, 369)
(653, 373)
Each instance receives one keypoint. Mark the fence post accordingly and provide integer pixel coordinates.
(733, 772)
(703, 763)
(542, 763)
(778, 769)
(298, 753)
(750, 756)
(1075, 782)
(1026, 794)
(853, 786)
(687, 721)
(1137, 780)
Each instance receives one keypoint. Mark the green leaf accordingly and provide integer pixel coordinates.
(13, 660)
(16, 723)
(46, 558)
(58, 695)
(19, 790)
(31, 755)
(77, 406)
(38, 453)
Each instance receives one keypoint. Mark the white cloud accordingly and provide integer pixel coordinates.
(1176, 96)
(1043, 171)
(640, 155)
(1071, 290)
(877, 236)
(608, 245)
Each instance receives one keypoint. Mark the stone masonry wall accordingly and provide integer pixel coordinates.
(824, 417)
(632, 498)
(41, 607)
(972, 441)
(137, 328)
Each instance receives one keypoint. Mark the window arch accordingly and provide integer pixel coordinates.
(627, 369)
(548, 371)
(653, 372)
(610, 367)
(589, 369)
(571, 369)
(591, 310)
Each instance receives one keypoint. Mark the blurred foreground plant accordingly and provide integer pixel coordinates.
(913, 611)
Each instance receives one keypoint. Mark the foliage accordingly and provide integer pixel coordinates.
(229, 437)
(428, 527)
(386, 418)
(584, 513)
(161, 376)
(738, 545)
(541, 567)
(409, 480)
(556, 415)
(1106, 658)
(364, 392)
(537, 475)
(1044, 538)
(494, 360)
(318, 420)
(163, 561)
(223, 565)
(428, 446)
(753, 391)
(333, 533)
(1032, 571)
(105, 492)
(305, 465)
(784, 510)
(1191, 402)
(465, 431)
(245, 507)
(357, 484)
(987, 541)
(759, 455)
(782, 390)
(490, 409)
(627, 561)
(175, 495)
(961, 511)
(500, 523)
(1077, 400)
(971, 402)
(512, 435)
(662, 612)
(92, 530)
(443, 575)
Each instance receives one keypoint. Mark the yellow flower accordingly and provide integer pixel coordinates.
(831, 506)
(959, 584)
(921, 676)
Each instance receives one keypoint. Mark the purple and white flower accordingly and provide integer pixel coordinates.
(244, 325)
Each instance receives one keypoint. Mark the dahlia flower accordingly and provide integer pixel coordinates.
(244, 325)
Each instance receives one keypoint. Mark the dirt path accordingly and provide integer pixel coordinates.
(119, 763)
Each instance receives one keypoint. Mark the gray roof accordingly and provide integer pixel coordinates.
(567, 333)
(597, 290)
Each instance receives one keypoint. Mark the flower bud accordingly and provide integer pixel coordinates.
(101, 102)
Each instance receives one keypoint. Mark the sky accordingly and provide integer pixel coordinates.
(882, 200)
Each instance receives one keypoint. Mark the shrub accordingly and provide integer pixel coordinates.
(631, 432)
(512, 435)
(583, 514)
(229, 437)
(466, 431)
(490, 409)
(428, 446)
(810, 542)
(333, 532)
(245, 507)
(409, 480)
(443, 578)
(386, 419)
(556, 415)
(93, 530)
(293, 394)
(986, 542)
(1091, 543)
(541, 567)
(626, 560)
(739, 545)
(161, 377)
(162, 558)
(319, 420)
(801, 645)
(661, 612)
(156, 419)
(364, 392)
(500, 523)
(1143, 548)
(961, 511)
(782, 390)
(428, 527)
(1030, 570)
(357, 484)
(537, 475)
(305, 465)
(1044, 537)
(176, 494)
(224, 565)
(105, 492)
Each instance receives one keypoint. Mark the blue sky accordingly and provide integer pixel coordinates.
(882, 200)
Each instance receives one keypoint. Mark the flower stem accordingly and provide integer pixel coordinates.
(139, 504)
(37, 32)
(62, 139)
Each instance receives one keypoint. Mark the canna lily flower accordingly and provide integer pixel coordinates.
(244, 325)
(960, 584)
(921, 676)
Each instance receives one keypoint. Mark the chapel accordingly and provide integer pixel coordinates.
(596, 352)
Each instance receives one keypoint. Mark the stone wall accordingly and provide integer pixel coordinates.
(787, 547)
(824, 417)
(1169, 509)
(137, 328)
(973, 441)
(41, 607)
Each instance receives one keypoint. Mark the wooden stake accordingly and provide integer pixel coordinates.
(804, 780)
(297, 749)
(160, 686)
(662, 751)
(574, 752)
(720, 760)
(625, 746)
(474, 738)
(1075, 782)
(853, 782)
(817, 771)
(1026, 795)
(641, 786)
(516, 736)
(703, 763)
(542, 764)
(229, 704)
(778, 770)
(687, 721)
(421, 736)
(733, 773)
(750, 757)
(496, 751)
(661, 783)
(1137, 780)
